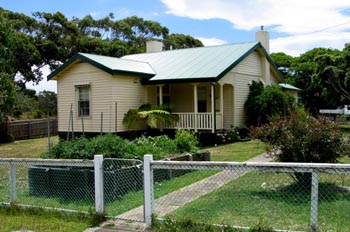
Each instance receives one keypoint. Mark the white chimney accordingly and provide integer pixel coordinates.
(154, 46)
(264, 38)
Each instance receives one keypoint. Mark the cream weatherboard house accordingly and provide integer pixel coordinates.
(207, 86)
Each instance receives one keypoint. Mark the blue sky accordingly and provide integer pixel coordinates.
(295, 26)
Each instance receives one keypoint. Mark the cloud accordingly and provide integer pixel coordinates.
(299, 24)
(295, 45)
(43, 84)
(211, 41)
(287, 16)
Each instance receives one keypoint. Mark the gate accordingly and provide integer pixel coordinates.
(123, 188)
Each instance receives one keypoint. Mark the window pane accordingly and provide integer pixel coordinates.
(84, 101)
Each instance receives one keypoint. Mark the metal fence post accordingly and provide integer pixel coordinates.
(12, 173)
(314, 202)
(148, 189)
(99, 195)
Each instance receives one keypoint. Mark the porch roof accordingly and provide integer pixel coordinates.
(203, 64)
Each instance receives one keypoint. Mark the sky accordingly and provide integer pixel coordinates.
(295, 26)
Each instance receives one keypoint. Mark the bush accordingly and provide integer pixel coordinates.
(186, 141)
(264, 104)
(229, 135)
(112, 146)
(301, 138)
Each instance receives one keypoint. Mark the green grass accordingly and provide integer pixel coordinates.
(14, 218)
(272, 198)
(239, 152)
(31, 148)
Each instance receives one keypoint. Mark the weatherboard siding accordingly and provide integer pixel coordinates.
(128, 94)
(251, 65)
(108, 95)
(242, 83)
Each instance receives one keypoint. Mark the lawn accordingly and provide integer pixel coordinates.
(30, 148)
(34, 147)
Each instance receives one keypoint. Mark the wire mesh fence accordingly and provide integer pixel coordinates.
(123, 188)
(57, 184)
(297, 197)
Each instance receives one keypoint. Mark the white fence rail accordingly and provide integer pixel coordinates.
(199, 121)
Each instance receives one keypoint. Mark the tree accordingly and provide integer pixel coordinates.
(319, 73)
(178, 41)
(47, 101)
(7, 89)
(7, 99)
(284, 63)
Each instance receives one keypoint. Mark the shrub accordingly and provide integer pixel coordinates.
(264, 104)
(229, 135)
(186, 141)
(112, 146)
(301, 138)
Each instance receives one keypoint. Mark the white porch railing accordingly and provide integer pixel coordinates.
(204, 121)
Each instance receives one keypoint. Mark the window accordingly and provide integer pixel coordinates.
(83, 100)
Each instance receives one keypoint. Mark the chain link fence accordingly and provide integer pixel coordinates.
(123, 188)
(282, 196)
(57, 184)
(70, 185)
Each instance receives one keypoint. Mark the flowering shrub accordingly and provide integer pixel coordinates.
(302, 138)
(228, 135)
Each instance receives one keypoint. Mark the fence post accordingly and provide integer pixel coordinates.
(99, 184)
(148, 189)
(12, 175)
(314, 202)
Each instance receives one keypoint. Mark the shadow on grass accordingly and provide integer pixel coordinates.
(299, 194)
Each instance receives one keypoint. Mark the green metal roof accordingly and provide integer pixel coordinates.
(195, 64)
(203, 64)
(289, 87)
(111, 65)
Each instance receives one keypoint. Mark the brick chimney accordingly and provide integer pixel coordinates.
(264, 38)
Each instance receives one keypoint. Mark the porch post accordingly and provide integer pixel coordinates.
(160, 94)
(213, 113)
(195, 104)
(222, 105)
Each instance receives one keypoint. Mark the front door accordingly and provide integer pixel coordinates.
(202, 99)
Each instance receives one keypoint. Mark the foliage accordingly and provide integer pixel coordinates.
(302, 139)
(48, 39)
(229, 135)
(305, 139)
(264, 104)
(186, 141)
(250, 106)
(47, 101)
(150, 115)
(112, 146)
(323, 75)
(7, 96)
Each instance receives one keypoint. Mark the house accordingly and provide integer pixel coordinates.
(208, 86)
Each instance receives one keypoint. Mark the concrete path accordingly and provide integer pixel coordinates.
(179, 198)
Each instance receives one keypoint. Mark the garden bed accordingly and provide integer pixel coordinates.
(76, 183)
